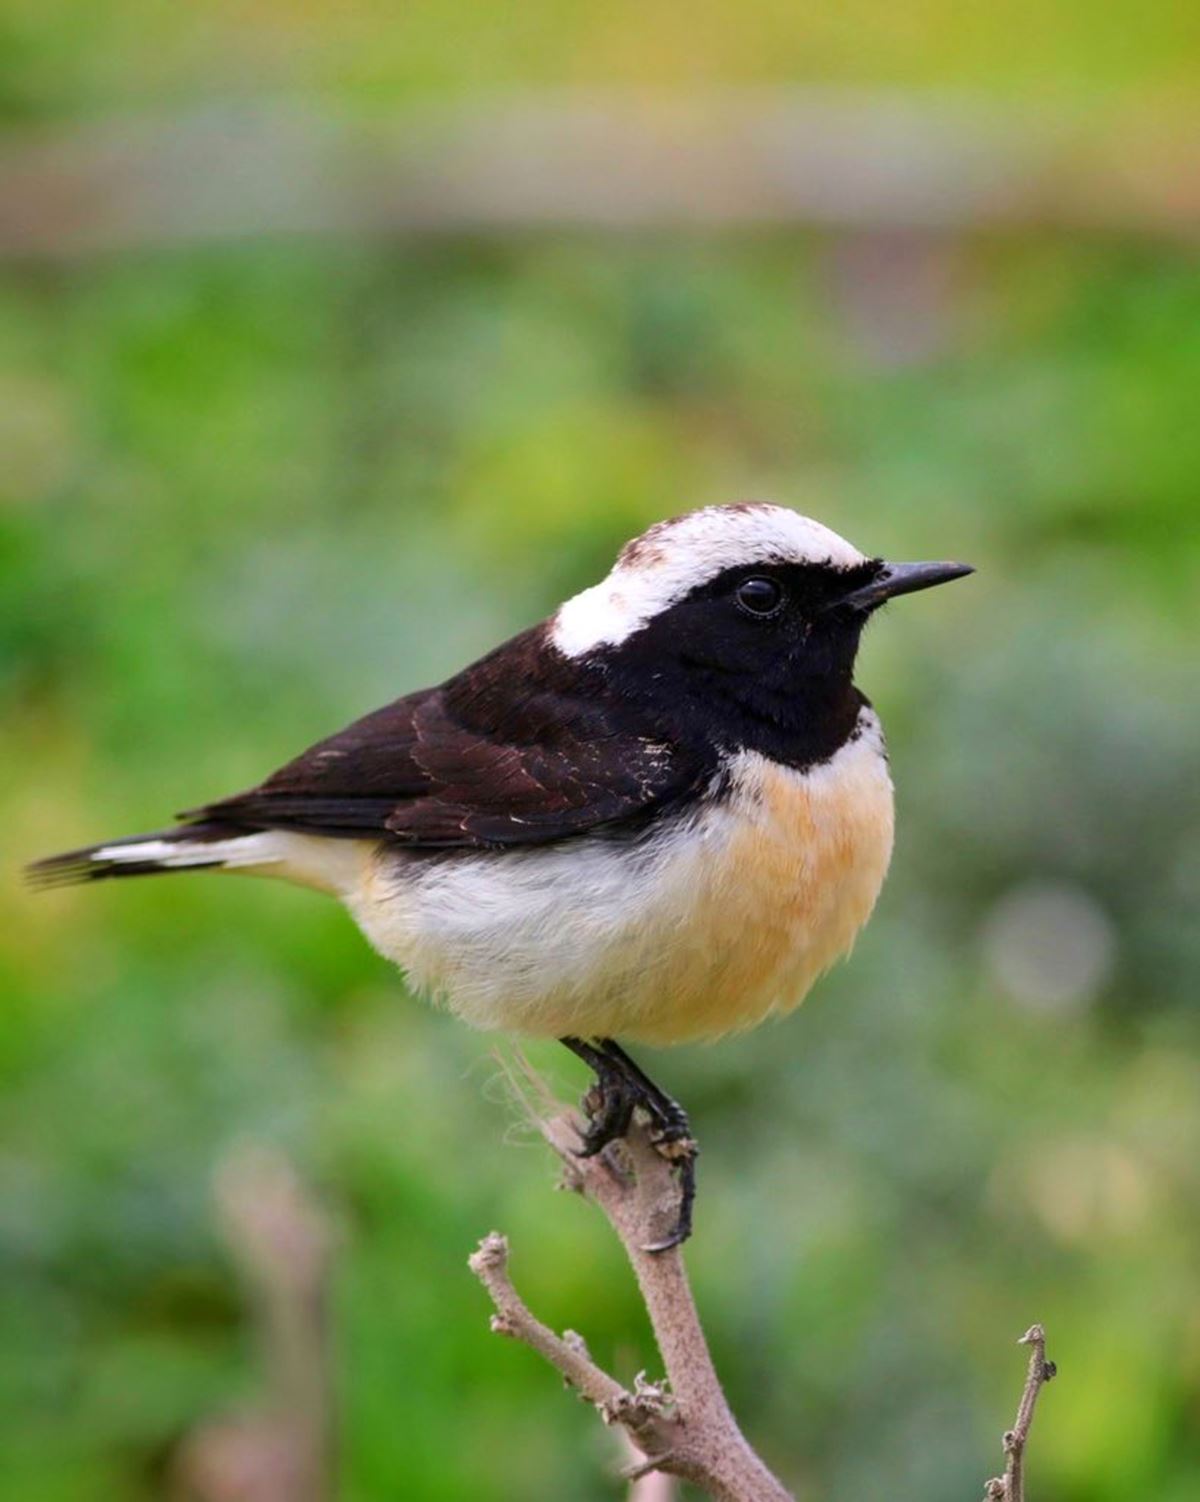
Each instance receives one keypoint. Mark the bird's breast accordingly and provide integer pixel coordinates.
(715, 917)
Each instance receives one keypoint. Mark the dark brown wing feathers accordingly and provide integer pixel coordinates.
(510, 752)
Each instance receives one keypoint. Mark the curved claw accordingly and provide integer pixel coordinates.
(620, 1088)
(684, 1164)
(677, 1237)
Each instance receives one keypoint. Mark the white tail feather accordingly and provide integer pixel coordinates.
(240, 850)
(330, 865)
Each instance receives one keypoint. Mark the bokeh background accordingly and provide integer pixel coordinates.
(332, 349)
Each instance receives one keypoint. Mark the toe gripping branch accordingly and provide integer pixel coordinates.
(620, 1089)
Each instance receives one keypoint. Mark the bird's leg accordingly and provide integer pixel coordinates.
(671, 1135)
(620, 1088)
(608, 1105)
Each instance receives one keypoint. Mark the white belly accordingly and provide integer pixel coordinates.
(729, 917)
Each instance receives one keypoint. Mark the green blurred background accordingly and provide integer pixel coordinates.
(252, 485)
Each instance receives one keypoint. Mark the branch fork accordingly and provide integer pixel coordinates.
(681, 1427)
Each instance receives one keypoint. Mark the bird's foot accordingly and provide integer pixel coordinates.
(620, 1089)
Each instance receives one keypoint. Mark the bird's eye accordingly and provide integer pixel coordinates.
(760, 596)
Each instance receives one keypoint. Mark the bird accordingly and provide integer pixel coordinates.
(657, 816)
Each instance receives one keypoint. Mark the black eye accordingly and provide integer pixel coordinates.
(760, 596)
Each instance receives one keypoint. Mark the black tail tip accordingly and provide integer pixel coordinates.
(66, 870)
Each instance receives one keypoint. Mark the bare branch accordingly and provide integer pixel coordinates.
(644, 1415)
(691, 1433)
(647, 1481)
(1011, 1486)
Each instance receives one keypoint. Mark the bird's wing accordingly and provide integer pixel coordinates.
(510, 752)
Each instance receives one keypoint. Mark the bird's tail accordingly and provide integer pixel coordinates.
(187, 847)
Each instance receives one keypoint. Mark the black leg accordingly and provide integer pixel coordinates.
(622, 1087)
(609, 1104)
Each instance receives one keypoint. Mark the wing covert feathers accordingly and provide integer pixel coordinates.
(509, 752)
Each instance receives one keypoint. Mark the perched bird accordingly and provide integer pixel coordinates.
(658, 815)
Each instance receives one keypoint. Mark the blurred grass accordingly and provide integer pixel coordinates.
(249, 493)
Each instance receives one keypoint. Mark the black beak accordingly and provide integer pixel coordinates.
(902, 579)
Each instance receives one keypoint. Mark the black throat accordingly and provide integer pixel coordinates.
(702, 710)
(712, 681)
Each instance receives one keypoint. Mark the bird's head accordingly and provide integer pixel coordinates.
(751, 605)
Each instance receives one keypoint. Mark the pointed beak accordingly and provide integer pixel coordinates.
(902, 579)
